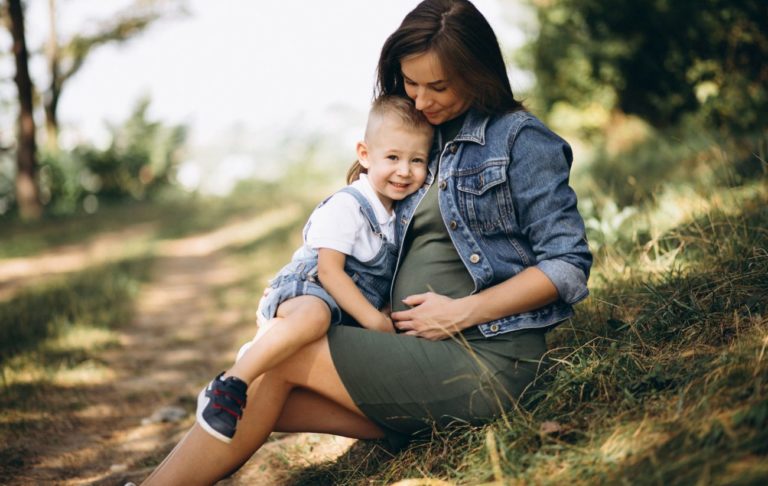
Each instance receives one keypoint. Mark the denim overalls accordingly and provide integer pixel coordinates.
(299, 277)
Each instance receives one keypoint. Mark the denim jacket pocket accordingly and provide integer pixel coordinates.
(479, 179)
(484, 196)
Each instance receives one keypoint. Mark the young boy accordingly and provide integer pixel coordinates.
(345, 266)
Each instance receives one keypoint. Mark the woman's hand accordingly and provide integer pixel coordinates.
(432, 316)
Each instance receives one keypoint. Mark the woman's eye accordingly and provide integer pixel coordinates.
(409, 82)
(440, 89)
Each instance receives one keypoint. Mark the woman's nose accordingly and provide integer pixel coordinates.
(422, 100)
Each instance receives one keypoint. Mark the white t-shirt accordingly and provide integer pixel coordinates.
(340, 225)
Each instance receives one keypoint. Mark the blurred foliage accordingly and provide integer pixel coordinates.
(140, 160)
(635, 171)
(657, 59)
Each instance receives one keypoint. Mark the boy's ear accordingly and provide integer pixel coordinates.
(362, 154)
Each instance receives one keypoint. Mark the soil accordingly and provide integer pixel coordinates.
(180, 337)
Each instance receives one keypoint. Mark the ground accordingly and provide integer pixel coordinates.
(181, 335)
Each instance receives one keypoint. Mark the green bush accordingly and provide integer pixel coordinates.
(140, 161)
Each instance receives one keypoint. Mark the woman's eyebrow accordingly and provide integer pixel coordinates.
(430, 83)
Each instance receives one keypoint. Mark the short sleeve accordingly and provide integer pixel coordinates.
(336, 224)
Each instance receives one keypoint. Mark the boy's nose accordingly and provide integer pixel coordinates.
(403, 168)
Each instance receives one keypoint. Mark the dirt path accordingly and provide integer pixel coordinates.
(182, 334)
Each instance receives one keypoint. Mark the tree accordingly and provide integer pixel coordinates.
(27, 194)
(66, 58)
(657, 59)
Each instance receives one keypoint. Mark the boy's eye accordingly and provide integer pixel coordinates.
(418, 161)
(392, 157)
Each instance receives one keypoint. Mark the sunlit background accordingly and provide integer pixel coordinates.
(254, 82)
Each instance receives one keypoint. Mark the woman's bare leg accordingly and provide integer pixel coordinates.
(307, 411)
(299, 321)
(202, 459)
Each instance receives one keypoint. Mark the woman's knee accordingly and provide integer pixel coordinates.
(308, 358)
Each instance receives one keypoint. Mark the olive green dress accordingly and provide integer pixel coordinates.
(409, 385)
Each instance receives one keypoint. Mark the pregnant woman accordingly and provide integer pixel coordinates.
(492, 254)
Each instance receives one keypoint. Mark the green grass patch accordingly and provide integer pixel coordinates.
(100, 297)
(175, 215)
(50, 337)
(662, 378)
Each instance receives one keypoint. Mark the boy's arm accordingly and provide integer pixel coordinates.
(330, 271)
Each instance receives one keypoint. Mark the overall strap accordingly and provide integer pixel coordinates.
(366, 209)
(309, 223)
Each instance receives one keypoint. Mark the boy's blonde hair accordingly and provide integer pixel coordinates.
(404, 109)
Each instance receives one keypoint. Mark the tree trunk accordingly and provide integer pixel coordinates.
(52, 123)
(51, 98)
(26, 183)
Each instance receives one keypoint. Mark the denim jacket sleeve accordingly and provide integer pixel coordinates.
(545, 206)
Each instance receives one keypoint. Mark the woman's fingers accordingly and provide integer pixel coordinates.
(411, 301)
(416, 299)
(405, 325)
(405, 315)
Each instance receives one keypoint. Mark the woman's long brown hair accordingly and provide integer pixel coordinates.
(465, 44)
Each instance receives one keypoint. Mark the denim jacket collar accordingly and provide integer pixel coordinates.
(473, 129)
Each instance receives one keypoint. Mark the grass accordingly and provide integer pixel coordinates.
(662, 377)
(50, 339)
(21, 239)
(56, 307)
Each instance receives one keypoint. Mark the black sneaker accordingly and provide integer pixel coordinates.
(220, 405)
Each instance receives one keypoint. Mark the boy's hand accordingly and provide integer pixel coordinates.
(381, 323)
(387, 309)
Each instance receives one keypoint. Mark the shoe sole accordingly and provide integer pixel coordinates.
(202, 401)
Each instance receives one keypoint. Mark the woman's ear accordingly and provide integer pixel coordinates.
(362, 154)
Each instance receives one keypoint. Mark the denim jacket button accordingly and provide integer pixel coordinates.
(442, 185)
(454, 148)
(454, 225)
(474, 258)
(494, 327)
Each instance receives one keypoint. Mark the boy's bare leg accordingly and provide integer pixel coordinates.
(299, 321)
(201, 459)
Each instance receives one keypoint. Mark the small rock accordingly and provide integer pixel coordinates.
(117, 468)
(165, 414)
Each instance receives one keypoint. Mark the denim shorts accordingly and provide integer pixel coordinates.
(289, 286)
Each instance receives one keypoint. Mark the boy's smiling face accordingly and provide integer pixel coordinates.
(396, 157)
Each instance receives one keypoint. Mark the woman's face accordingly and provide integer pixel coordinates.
(434, 94)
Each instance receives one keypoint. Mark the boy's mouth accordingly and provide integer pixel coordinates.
(400, 185)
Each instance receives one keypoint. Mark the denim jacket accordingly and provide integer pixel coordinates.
(506, 203)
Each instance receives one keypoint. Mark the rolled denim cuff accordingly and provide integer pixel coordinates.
(570, 281)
